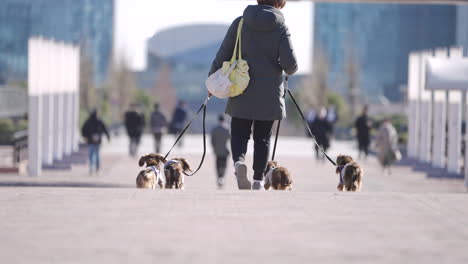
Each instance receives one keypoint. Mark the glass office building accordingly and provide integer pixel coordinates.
(380, 38)
(462, 26)
(88, 23)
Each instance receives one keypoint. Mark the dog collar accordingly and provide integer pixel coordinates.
(156, 171)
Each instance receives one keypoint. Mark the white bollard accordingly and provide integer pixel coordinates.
(425, 109)
(413, 105)
(440, 121)
(47, 65)
(35, 79)
(59, 104)
(68, 107)
(466, 142)
(454, 124)
(76, 98)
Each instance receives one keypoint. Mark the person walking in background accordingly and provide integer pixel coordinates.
(266, 46)
(363, 127)
(310, 116)
(134, 124)
(219, 139)
(332, 117)
(322, 130)
(92, 130)
(158, 124)
(387, 145)
(178, 120)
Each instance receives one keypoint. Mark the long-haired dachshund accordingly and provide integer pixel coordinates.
(350, 172)
(151, 176)
(277, 177)
(174, 171)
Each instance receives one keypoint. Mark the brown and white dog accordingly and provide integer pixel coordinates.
(350, 172)
(277, 177)
(174, 171)
(151, 176)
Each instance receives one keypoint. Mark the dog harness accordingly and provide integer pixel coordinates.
(157, 172)
(343, 169)
(269, 175)
(168, 164)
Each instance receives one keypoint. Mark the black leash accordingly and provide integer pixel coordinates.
(307, 125)
(276, 140)
(202, 108)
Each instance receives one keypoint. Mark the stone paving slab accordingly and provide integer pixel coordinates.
(79, 225)
(407, 217)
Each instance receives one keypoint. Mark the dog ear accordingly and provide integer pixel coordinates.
(159, 158)
(340, 160)
(143, 160)
(185, 164)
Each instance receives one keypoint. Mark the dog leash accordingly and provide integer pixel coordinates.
(286, 78)
(202, 108)
(276, 140)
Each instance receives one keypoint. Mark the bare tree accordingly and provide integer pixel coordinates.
(352, 71)
(87, 86)
(121, 88)
(164, 92)
(313, 91)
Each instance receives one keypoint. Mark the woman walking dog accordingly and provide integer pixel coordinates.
(266, 46)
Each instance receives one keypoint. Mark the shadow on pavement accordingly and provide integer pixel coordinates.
(64, 185)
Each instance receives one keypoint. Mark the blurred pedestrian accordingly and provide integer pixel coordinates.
(134, 124)
(363, 127)
(92, 130)
(158, 124)
(322, 131)
(219, 139)
(387, 145)
(178, 120)
(332, 117)
(310, 116)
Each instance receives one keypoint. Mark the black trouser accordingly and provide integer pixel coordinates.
(134, 143)
(318, 153)
(157, 141)
(363, 147)
(240, 135)
(221, 163)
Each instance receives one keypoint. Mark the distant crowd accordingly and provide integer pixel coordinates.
(386, 142)
(322, 124)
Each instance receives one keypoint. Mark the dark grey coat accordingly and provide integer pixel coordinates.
(267, 48)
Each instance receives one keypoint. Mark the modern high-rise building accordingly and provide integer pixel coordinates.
(88, 23)
(377, 39)
(462, 25)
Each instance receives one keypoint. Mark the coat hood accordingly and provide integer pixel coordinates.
(263, 17)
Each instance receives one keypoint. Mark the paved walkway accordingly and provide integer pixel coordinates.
(404, 218)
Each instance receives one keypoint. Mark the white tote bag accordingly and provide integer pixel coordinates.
(218, 83)
(233, 77)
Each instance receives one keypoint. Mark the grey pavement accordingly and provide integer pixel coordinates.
(406, 217)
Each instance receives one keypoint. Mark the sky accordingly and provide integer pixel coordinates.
(138, 20)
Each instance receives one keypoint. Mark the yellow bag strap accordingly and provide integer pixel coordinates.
(238, 41)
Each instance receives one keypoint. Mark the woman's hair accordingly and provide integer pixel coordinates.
(274, 3)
